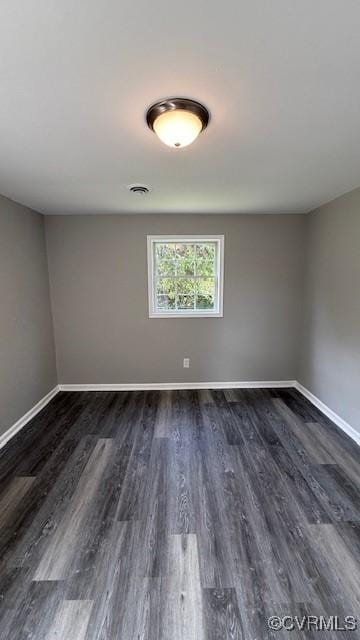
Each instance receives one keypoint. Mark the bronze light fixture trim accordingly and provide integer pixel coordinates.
(177, 121)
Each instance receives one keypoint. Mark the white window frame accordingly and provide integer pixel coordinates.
(219, 276)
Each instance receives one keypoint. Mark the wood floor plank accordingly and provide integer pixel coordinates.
(222, 616)
(214, 551)
(336, 455)
(154, 538)
(183, 607)
(97, 528)
(315, 451)
(205, 396)
(177, 515)
(14, 583)
(214, 437)
(94, 407)
(47, 501)
(231, 395)
(350, 533)
(135, 479)
(71, 620)
(22, 454)
(33, 614)
(186, 415)
(298, 455)
(181, 473)
(46, 444)
(298, 488)
(268, 428)
(12, 497)
(227, 419)
(122, 411)
(145, 621)
(284, 568)
(114, 586)
(240, 421)
(102, 410)
(302, 407)
(336, 565)
(343, 497)
(163, 417)
(58, 555)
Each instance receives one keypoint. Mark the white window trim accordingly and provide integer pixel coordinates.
(218, 313)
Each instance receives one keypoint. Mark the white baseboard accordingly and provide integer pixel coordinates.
(160, 386)
(334, 417)
(258, 384)
(19, 424)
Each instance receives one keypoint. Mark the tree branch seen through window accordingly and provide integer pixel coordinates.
(185, 276)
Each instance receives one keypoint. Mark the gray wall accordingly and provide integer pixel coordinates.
(27, 356)
(330, 363)
(98, 280)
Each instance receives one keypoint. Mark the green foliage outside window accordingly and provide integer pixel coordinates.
(185, 276)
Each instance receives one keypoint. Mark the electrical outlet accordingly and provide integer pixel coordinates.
(186, 363)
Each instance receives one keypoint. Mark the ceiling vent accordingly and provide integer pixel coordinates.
(139, 189)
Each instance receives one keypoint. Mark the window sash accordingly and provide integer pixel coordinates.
(178, 293)
(155, 310)
(176, 259)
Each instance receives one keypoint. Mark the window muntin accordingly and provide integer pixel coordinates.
(185, 276)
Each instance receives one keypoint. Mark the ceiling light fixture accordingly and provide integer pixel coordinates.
(177, 121)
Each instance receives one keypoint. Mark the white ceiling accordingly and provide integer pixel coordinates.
(280, 77)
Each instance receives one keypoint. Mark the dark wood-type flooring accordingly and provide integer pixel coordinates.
(177, 515)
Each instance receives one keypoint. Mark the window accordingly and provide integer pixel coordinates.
(185, 276)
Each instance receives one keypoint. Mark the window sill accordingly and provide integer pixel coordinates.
(186, 315)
